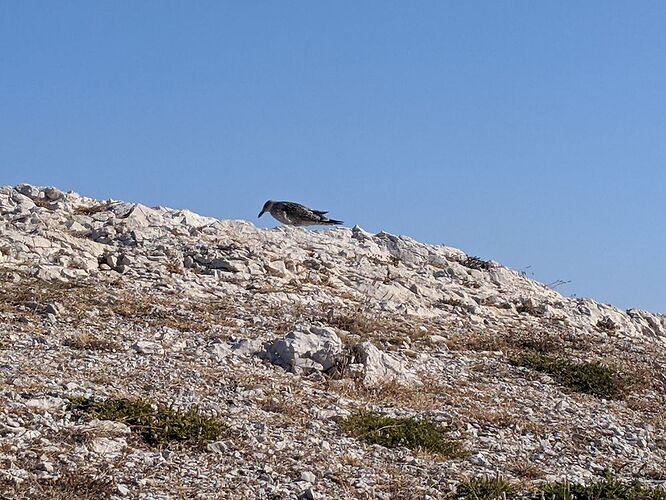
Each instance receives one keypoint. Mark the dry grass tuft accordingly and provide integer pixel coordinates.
(90, 342)
(526, 470)
(534, 341)
(159, 311)
(42, 203)
(175, 267)
(94, 209)
(431, 396)
(486, 488)
(71, 484)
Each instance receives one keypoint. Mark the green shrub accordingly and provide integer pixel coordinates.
(486, 488)
(608, 488)
(408, 432)
(157, 425)
(591, 378)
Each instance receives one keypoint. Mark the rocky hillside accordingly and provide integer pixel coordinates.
(271, 354)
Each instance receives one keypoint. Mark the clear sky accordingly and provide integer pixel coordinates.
(531, 133)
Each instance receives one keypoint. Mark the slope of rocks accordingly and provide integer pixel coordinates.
(282, 332)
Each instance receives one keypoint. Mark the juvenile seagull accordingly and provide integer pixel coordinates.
(295, 214)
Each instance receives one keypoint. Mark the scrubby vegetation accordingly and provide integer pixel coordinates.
(486, 488)
(588, 377)
(608, 488)
(411, 433)
(156, 424)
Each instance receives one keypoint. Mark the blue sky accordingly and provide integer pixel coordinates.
(532, 133)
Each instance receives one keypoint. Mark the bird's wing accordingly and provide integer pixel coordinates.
(298, 211)
(320, 212)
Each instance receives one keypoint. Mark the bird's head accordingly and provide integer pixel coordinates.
(267, 207)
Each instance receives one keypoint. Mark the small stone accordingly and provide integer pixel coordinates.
(122, 490)
(561, 405)
(277, 268)
(76, 227)
(308, 494)
(308, 477)
(112, 261)
(478, 459)
(53, 194)
(219, 447)
(52, 309)
(147, 347)
(106, 446)
(46, 466)
(223, 265)
(246, 347)
(220, 350)
(45, 404)
(28, 190)
(106, 426)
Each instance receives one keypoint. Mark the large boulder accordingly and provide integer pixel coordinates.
(320, 349)
(377, 367)
(314, 348)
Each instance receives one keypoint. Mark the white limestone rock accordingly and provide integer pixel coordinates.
(220, 350)
(47, 403)
(148, 347)
(247, 347)
(313, 348)
(380, 367)
(107, 446)
(108, 427)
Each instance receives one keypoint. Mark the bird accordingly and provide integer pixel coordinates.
(295, 214)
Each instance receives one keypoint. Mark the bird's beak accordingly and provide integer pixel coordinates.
(261, 213)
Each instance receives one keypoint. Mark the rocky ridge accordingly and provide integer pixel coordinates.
(282, 332)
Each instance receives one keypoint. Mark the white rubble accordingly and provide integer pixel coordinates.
(414, 278)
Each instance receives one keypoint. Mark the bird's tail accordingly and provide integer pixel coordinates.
(332, 222)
